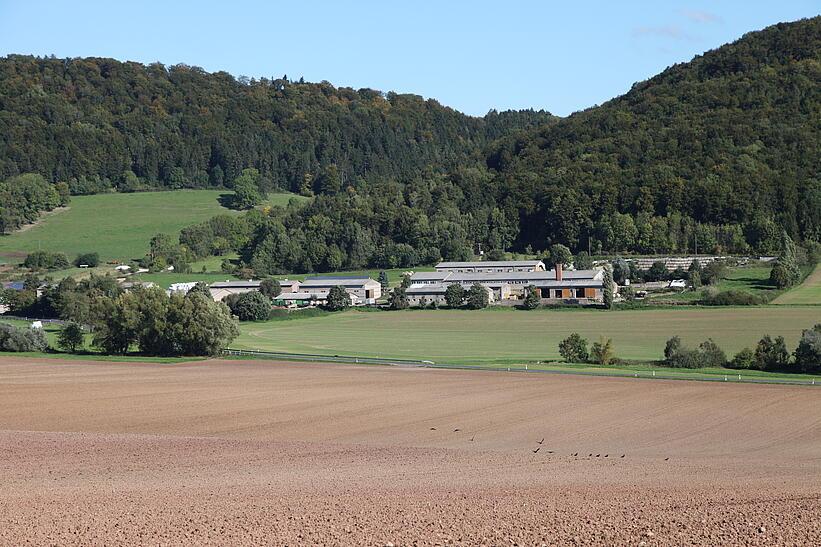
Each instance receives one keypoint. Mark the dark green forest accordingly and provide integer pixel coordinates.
(717, 155)
(95, 123)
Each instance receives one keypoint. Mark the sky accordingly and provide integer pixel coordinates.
(471, 55)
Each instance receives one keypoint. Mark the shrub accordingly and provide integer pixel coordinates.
(731, 298)
(657, 272)
(744, 359)
(602, 351)
(251, 306)
(71, 337)
(21, 339)
(713, 272)
(582, 261)
(708, 354)
(573, 349)
(477, 297)
(455, 295)
(92, 260)
(45, 260)
(496, 254)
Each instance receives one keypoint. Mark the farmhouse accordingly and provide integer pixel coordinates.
(574, 286)
(362, 289)
(488, 266)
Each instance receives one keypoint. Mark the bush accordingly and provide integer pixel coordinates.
(92, 260)
(573, 349)
(602, 352)
(21, 339)
(713, 272)
(708, 354)
(251, 306)
(657, 272)
(744, 359)
(45, 260)
(731, 298)
(338, 299)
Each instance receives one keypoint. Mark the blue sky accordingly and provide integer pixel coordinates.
(471, 55)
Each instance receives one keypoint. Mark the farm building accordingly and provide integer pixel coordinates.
(297, 300)
(579, 286)
(488, 266)
(364, 289)
(424, 295)
(221, 289)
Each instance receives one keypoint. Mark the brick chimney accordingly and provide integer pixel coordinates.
(558, 267)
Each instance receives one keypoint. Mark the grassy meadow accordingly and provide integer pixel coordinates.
(514, 336)
(808, 292)
(118, 226)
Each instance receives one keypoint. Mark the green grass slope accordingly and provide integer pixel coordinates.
(808, 292)
(118, 226)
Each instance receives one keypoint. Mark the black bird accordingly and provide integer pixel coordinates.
(471, 439)
(622, 455)
(456, 430)
(606, 455)
(550, 452)
(597, 455)
(540, 442)
(537, 449)
(433, 429)
(590, 455)
(666, 459)
(576, 454)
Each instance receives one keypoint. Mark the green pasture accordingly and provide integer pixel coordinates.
(751, 279)
(808, 292)
(118, 226)
(513, 336)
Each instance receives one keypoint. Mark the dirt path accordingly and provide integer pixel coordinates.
(249, 453)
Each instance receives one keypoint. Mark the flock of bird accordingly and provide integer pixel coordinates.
(541, 442)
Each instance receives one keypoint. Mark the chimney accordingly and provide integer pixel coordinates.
(558, 267)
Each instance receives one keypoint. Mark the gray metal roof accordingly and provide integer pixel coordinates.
(235, 284)
(490, 264)
(507, 277)
(334, 281)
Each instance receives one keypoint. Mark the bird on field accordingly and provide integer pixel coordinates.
(666, 459)
(550, 452)
(590, 455)
(471, 439)
(597, 455)
(456, 430)
(576, 454)
(537, 449)
(433, 429)
(622, 455)
(607, 455)
(540, 442)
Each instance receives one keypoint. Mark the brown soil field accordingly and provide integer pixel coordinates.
(234, 453)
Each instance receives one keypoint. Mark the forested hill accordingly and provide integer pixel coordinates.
(727, 138)
(180, 126)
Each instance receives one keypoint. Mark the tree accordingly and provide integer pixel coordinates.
(808, 353)
(406, 282)
(20, 339)
(602, 351)
(89, 259)
(398, 299)
(694, 278)
(455, 295)
(201, 288)
(573, 349)
(531, 300)
(560, 254)
(780, 276)
(607, 287)
(270, 287)
(744, 359)
(771, 354)
(620, 270)
(582, 261)
(714, 272)
(252, 306)
(495, 254)
(71, 337)
(657, 271)
(246, 189)
(786, 272)
(338, 298)
(383, 281)
(477, 297)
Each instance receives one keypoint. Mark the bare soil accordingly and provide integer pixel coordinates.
(232, 453)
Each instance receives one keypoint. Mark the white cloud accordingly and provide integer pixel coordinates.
(699, 16)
